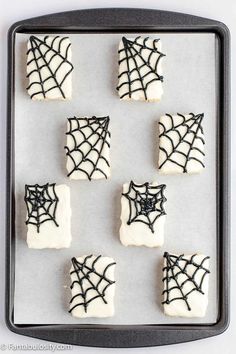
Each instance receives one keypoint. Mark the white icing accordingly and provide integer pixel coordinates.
(198, 302)
(51, 236)
(95, 308)
(137, 233)
(169, 167)
(53, 57)
(86, 167)
(154, 90)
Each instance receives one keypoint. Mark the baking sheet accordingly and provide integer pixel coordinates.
(42, 279)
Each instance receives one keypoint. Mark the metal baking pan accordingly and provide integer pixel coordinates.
(113, 21)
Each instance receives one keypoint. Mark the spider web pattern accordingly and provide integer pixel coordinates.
(141, 65)
(185, 145)
(92, 284)
(146, 203)
(89, 137)
(179, 265)
(49, 60)
(41, 203)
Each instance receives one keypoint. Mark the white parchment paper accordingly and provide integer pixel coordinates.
(42, 278)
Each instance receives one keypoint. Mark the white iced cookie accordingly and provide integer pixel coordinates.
(185, 280)
(140, 69)
(92, 286)
(49, 68)
(181, 143)
(142, 214)
(48, 216)
(88, 148)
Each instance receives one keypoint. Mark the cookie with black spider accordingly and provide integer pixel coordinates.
(88, 148)
(143, 214)
(140, 69)
(48, 216)
(185, 281)
(92, 286)
(181, 143)
(49, 68)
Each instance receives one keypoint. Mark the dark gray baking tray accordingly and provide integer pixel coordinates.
(111, 21)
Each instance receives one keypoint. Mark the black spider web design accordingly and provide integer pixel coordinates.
(44, 54)
(185, 140)
(87, 151)
(174, 268)
(138, 69)
(146, 203)
(99, 285)
(41, 203)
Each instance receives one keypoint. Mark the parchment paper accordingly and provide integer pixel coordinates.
(42, 278)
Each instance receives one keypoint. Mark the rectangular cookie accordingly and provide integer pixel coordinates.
(142, 214)
(88, 148)
(92, 286)
(181, 143)
(49, 68)
(140, 69)
(48, 217)
(185, 280)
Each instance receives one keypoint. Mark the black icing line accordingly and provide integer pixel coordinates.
(173, 269)
(195, 121)
(36, 44)
(83, 272)
(41, 203)
(145, 206)
(99, 127)
(132, 50)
